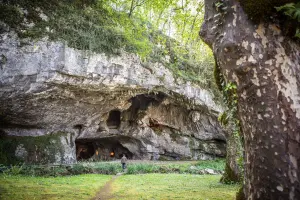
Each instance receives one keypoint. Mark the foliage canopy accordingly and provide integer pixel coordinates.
(292, 10)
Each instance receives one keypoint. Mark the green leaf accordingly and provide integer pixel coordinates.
(297, 33)
(297, 14)
(288, 6)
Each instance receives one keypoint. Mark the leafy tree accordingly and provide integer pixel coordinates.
(293, 11)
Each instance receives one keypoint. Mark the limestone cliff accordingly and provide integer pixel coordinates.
(90, 105)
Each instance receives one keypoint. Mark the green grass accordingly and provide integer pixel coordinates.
(218, 164)
(71, 187)
(126, 187)
(172, 186)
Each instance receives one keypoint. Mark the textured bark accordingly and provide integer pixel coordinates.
(265, 66)
(232, 171)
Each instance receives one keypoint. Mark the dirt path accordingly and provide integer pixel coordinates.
(105, 192)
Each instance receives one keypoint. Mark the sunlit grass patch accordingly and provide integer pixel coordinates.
(172, 186)
(67, 188)
(126, 187)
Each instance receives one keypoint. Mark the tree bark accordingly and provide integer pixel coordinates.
(234, 152)
(131, 8)
(265, 65)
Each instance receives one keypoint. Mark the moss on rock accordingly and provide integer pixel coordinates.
(219, 79)
(29, 149)
(75, 22)
(88, 25)
(229, 175)
(11, 15)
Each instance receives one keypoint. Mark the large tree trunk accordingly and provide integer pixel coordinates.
(265, 66)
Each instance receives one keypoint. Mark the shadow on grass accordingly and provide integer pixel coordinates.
(2, 192)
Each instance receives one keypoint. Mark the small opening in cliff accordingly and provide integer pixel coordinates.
(140, 103)
(84, 150)
(114, 119)
(108, 148)
(113, 147)
(78, 126)
(154, 125)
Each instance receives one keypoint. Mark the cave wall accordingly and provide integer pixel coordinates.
(47, 88)
(160, 126)
(56, 148)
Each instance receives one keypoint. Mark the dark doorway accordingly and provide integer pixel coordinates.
(109, 148)
(114, 119)
(84, 150)
(112, 148)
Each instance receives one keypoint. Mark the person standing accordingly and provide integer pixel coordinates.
(123, 162)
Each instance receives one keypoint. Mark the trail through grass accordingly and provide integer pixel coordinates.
(125, 187)
(172, 186)
(66, 188)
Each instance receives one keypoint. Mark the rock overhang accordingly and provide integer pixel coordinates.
(47, 87)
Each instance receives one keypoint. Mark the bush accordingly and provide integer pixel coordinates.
(107, 168)
(217, 164)
(112, 168)
(292, 10)
(12, 170)
(143, 169)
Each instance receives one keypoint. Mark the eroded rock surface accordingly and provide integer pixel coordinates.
(99, 105)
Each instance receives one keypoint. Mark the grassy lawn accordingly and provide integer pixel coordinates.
(126, 187)
(71, 187)
(172, 186)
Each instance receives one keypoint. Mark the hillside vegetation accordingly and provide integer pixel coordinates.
(157, 31)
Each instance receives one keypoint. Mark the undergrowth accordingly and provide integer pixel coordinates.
(111, 168)
(292, 10)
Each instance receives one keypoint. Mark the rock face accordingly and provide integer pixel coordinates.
(94, 106)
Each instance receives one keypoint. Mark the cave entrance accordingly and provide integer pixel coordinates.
(112, 148)
(114, 119)
(84, 150)
(109, 148)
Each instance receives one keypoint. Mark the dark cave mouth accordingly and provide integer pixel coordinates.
(103, 149)
(114, 119)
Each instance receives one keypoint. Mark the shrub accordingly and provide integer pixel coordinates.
(217, 164)
(13, 170)
(292, 10)
(113, 168)
(107, 168)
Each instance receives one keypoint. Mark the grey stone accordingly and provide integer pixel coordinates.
(210, 171)
(47, 87)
